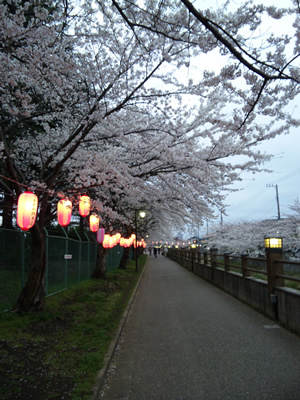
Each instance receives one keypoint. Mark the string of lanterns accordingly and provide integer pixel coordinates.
(27, 213)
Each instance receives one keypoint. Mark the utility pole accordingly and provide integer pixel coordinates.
(277, 199)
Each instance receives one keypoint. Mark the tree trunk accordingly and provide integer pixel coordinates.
(7, 211)
(32, 296)
(125, 258)
(100, 268)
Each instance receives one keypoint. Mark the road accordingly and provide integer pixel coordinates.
(185, 339)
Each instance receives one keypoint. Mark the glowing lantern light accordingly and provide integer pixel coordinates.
(122, 242)
(100, 235)
(64, 212)
(94, 222)
(111, 242)
(27, 210)
(84, 205)
(105, 243)
(118, 237)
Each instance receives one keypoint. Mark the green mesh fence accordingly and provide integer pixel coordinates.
(69, 261)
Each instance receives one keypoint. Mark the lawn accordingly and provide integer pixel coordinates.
(56, 354)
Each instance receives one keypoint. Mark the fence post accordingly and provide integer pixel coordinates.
(245, 263)
(274, 267)
(79, 256)
(88, 240)
(192, 253)
(205, 258)
(23, 235)
(199, 256)
(213, 261)
(213, 257)
(226, 262)
(47, 261)
(66, 260)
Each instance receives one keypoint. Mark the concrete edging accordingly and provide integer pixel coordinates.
(113, 345)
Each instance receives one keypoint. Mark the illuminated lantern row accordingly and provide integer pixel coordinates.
(27, 210)
(64, 212)
(111, 241)
(140, 243)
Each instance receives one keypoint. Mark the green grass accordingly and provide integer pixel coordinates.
(57, 353)
(10, 286)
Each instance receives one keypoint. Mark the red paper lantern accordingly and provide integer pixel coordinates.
(100, 235)
(27, 210)
(64, 212)
(84, 205)
(94, 222)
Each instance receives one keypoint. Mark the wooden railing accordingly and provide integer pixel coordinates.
(244, 265)
(270, 285)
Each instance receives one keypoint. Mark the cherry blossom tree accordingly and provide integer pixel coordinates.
(97, 102)
(248, 236)
(295, 207)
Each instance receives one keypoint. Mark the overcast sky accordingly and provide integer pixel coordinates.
(256, 201)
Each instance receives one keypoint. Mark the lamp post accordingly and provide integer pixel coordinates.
(273, 247)
(142, 214)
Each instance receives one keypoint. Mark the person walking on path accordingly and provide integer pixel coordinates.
(155, 252)
(185, 339)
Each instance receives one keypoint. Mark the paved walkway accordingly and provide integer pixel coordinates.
(185, 339)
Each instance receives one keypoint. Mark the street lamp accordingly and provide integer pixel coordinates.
(273, 244)
(142, 214)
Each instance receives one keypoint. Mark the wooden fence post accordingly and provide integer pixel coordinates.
(245, 261)
(226, 262)
(274, 267)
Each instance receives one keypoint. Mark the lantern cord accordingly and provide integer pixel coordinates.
(11, 180)
(51, 192)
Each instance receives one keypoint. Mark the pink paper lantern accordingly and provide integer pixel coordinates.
(100, 235)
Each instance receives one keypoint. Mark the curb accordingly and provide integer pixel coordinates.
(113, 345)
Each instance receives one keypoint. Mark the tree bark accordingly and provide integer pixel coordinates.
(125, 258)
(7, 211)
(100, 268)
(33, 295)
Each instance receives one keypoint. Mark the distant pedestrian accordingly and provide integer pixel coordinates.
(150, 250)
(155, 252)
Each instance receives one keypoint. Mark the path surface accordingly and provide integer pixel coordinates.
(185, 339)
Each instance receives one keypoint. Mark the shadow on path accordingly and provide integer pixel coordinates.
(186, 339)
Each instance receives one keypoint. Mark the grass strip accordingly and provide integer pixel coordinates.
(57, 353)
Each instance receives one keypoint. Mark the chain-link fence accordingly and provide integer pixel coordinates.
(71, 258)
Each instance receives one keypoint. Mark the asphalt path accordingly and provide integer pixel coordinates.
(185, 339)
